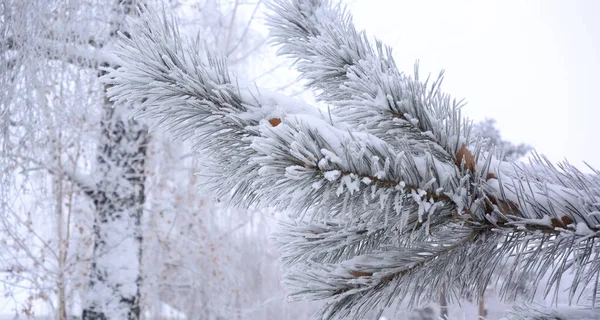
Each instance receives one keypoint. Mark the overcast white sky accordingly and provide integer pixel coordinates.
(532, 65)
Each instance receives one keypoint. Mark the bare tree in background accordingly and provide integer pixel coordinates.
(487, 130)
(63, 143)
(115, 186)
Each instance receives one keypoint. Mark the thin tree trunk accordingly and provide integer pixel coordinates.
(443, 303)
(60, 282)
(115, 276)
(482, 311)
(482, 314)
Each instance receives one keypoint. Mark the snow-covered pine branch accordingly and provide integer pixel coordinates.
(362, 80)
(266, 136)
(392, 198)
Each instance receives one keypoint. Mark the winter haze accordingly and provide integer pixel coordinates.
(321, 181)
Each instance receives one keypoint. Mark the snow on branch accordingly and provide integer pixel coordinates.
(392, 273)
(259, 133)
(86, 183)
(84, 55)
(363, 81)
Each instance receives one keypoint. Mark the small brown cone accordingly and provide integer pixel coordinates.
(274, 122)
(464, 155)
(358, 274)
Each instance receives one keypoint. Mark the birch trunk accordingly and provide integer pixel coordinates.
(115, 275)
(115, 271)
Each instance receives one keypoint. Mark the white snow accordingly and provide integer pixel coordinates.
(332, 175)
